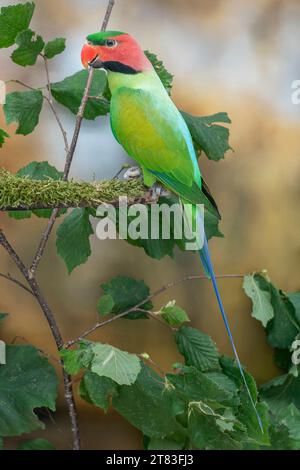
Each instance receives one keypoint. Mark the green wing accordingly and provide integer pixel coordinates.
(153, 132)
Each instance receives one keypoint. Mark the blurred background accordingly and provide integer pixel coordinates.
(227, 55)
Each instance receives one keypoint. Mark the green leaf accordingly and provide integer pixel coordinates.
(284, 327)
(209, 136)
(281, 392)
(3, 135)
(294, 297)
(208, 429)
(283, 358)
(198, 349)
(285, 431)
(192, 385)
(27, 381)
(158, 248)
(211, 224)
(36, 444)
(120, 366)
(30, 46)
(97, 390)
(127, 292)
(148, 406)
(40, 171)
(3, 315)
(14, 19)
(104, 360)
(257, 288)
(173, 315)
(69, 93)
(165, 77)
(232, 371)
(246, 413)
(76, 359)
(37, 171)
(105, 305)
(54, 47)
(24, 108)
(72, 242)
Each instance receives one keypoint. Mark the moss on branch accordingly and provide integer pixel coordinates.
(22, 193)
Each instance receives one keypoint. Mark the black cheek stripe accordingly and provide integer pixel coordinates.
(115, 66)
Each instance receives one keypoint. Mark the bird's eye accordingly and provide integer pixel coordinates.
(110, 42)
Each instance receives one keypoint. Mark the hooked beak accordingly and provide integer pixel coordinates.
(90, 57)
(96, 62)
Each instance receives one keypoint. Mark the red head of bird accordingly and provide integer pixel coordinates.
(114, 51)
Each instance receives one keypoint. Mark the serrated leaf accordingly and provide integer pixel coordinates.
(69, 93)
(30, 45)
(120, 366)
(197, 348)
(161, 247)
(3, 135)
(105, 305)
(72, 242)
(36, 444)
(246, 413)
(192, 385)
(173, 315)
(257, 288)
(285, 429)
(148, 406)
(165, 76)
(281, 392)
(284, 327)
(24, 108)
(97, 390)
(37, 171)
(205, 433)
(14, 19)
(27, 381)
(40, 171)
(76, 359)
(127, 292)
(208, 135)
(54, 47)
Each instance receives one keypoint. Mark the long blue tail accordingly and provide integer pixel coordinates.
(208, 267)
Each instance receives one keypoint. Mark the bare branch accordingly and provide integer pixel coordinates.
(70, 154)
(15, 281)
(49, 99)
(107, 14)
(150, 297)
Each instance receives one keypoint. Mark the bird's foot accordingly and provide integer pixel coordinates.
(156, 191)
(132, 173)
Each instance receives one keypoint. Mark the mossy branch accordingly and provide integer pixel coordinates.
(23, 193)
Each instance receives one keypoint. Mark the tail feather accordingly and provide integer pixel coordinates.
(208, 267)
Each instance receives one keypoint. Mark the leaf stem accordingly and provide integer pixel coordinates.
(136, 307)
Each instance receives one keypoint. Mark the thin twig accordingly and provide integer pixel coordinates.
(107, 14)
(15, 281)
(19, 82)
(70, 154)
(136, 307)
(49, 98)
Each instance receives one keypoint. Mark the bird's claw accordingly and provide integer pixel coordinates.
(132, 172)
